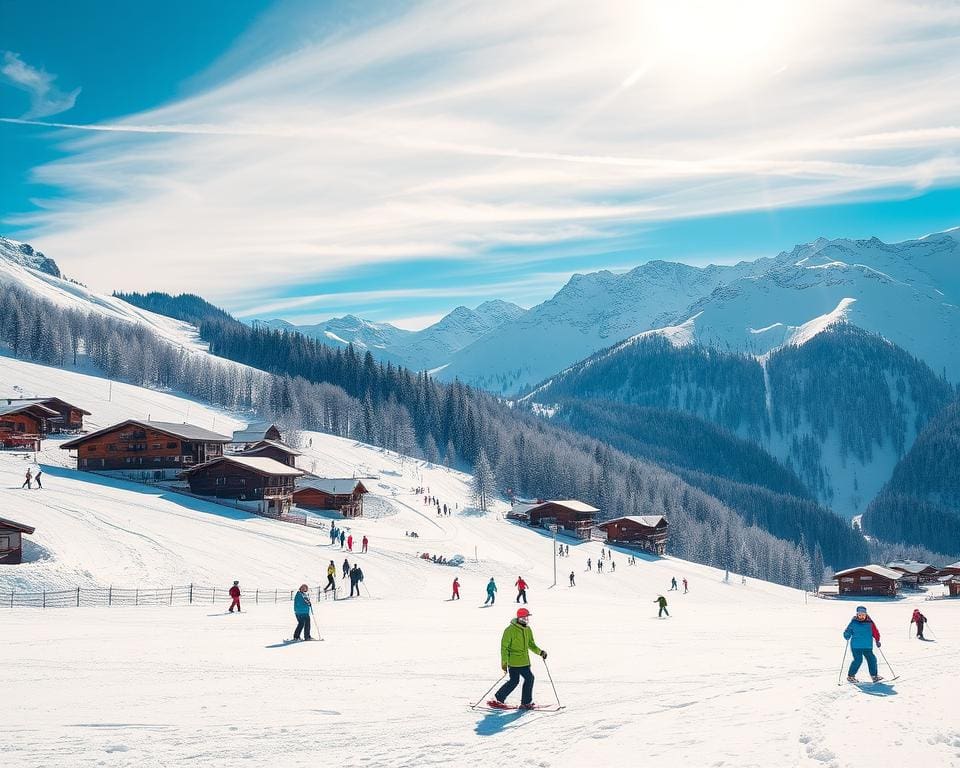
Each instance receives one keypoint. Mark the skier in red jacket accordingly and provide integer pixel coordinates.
(521, 589)
(365, 542)
(350, 542)
(456, 589)
(235, 594)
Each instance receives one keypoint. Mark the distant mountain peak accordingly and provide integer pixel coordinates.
(25, 255)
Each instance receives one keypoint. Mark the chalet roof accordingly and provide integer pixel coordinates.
(21, 527)
(877, 570)
(254, 432)
(337, 486)
(259, 464)
(949, 578)
(8, 410)
(648, 521)
(41, 401)
(572, 504)
(183, 431)
(952, 565)
(909, 566)
(273, 444)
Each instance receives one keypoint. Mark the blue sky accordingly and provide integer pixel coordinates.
(301, 159)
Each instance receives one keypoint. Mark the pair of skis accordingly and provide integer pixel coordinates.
(487, 707)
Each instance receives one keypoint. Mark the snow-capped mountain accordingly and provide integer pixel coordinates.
(417, 350)
(589, 313)
(907, 292)
(24, 255)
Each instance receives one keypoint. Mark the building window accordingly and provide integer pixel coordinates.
(91, 448)
(866, 578)
(156, 446)
(221, 481)
(171, 445)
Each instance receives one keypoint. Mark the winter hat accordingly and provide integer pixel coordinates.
(861, 609)
(523, 613)
(235, 582)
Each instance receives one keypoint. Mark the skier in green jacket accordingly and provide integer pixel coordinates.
(515, 647)
(662, 601)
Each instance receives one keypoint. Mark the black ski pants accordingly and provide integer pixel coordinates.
(354, 585)
(522, 594)
(663, 610)
(303, 625)
(526, 694)
(331, 584)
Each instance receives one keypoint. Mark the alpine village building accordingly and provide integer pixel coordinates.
(573, 516)
(256, 432)
(345, 495)
(23, 425)
(649, 532)
(915, 573)
(11, 541)
(246, 478)
(157, 446)
(68, 418)
(868, 580)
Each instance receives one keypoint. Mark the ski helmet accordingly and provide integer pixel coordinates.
(523, 613)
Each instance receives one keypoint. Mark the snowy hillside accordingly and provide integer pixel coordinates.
(417, 350)
(739, 675)
(31, 275)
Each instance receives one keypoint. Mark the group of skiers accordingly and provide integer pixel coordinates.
(32, 479)
(354, 573)
(443, 510)
(345, 539)
(674, 587)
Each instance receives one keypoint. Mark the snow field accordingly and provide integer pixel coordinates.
(738, 676)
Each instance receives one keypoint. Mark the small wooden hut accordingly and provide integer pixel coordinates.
(649, 532)
(868, 580)
(344, 495)
(11, 541)
(569, 514)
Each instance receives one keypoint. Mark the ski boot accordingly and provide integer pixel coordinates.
(494, 704)
(852, 679)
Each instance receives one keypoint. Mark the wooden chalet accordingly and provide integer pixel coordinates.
(246, 478)
(868, 580)
(650, 532)
(273, 449)
(146, 445)
(11, 541)
(952, 583)
(345, 495)
(255, 433)
(68, 418)
(951, 570)
(23, 425)
(915, 573)
(569, 514)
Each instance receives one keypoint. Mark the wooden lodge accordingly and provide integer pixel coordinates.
(255, 433)
(952, 583)
(344, 495)
(68, 418)
(951, 570)
(273, 449)
(649, 532)
(571, 515)
(868, 580)
(11, 541)
(23, 425)
(915, 573)
(245, 478)
(146, 445)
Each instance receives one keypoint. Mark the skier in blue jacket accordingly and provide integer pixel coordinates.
(491, 592)
(301, 609)
(862, 632)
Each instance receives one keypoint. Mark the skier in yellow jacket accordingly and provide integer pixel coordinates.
(515, 647)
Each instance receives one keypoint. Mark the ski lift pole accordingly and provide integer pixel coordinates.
(553, 529)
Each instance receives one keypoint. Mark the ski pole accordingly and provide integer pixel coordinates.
(886, 662)
(551, 683)
(489, 690)
(319, 637)
(844, 662)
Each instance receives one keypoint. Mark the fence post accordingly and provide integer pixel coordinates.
(171, 595)
(110, 595)
(256, 598)
(136, 597)
(11, 598)
(44, 598)
(78, 597)
(214, 600)
(191, 594)
(274, 596)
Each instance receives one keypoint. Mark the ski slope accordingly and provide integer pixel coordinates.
(740, 675)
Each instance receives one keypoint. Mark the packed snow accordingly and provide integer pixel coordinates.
(739, 675)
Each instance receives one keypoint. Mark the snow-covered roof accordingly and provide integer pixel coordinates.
(273, 444)
(6, 410)
(338, 486)
(877, 570)
(909, 566)
(41, 401)
(11, 524)
(185, 431)
(572, 504)
(254, 432)
(649, 521)
(952, 565)
(261, 464)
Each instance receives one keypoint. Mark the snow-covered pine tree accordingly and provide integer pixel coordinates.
(484, 482)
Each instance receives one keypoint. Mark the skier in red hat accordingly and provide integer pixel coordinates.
(515, 647)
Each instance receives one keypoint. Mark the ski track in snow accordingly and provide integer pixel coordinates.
(739, 676)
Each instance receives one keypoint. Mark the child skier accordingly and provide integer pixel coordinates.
(235, 597)
(491, 592)
(919, 619)
(301, 609)
(662, 601)
(861, 632)
(456, 588)
(515, 647)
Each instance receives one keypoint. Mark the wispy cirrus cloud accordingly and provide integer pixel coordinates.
(491, 132)
(45, 98)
